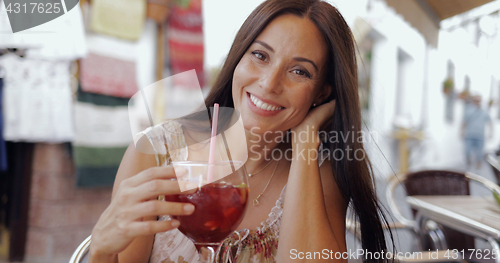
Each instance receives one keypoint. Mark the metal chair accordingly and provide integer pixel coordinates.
(494, 161)
(427, 183)
(436, 182)
(81, 252)
(353, 227)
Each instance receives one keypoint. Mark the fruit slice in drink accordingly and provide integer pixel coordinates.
(219, 209)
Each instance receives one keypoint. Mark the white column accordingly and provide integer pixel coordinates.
(382, 104)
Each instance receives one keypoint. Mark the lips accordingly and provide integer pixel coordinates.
(263, 105)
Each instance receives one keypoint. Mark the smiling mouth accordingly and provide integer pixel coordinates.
(262, 105)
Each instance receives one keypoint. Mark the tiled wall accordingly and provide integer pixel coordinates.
(60, 215)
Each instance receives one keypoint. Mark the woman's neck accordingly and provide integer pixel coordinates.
(262, 148)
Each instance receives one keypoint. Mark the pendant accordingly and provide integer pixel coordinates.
(256, 200)
(249, 175)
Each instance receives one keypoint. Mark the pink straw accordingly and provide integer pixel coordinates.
(215, 119)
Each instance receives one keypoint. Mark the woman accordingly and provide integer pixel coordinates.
(292, 67)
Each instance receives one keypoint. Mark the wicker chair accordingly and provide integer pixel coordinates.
(440, 183)
(436, 182)
(494, 161)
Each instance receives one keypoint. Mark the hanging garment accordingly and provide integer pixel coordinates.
(67, 42)
(100, 100)
(3, 150)
(103, 129)
(116, 67)
(37, 100)
(185, 39)
(108, 76)
(60, 39)
(118, 18)
(18, 40)
(101, 139)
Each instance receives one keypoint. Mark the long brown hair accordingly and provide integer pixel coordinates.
(353, 177)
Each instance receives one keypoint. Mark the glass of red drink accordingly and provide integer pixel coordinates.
(220, 203)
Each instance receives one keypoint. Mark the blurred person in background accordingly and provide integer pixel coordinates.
(473, 130)
(292, 67)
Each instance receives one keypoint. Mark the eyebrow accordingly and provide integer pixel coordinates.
(301, 59)
(306, 60)
(264, 44)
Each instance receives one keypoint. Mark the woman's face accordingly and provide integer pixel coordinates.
(281, 75)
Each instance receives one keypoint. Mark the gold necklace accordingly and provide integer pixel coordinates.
(265, 166)
(256, 200)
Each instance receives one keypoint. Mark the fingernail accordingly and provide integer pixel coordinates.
(175, 223)
(189, 208)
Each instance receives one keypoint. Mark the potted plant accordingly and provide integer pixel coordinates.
(448, 86)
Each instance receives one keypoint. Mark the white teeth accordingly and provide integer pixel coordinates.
(259, 104)
(262, 105)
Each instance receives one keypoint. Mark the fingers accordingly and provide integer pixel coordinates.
(144, 228)
(154, 188)
(321, 115)
(152, 174)
(328, 109)
(156, 208)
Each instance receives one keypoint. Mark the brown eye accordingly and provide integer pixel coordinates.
(259, 55)
(301, 72)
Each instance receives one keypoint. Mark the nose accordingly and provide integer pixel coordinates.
(271, 80)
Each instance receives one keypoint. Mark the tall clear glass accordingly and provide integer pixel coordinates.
(220, 203)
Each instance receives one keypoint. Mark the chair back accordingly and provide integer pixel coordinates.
(437, 182)
(441, 182)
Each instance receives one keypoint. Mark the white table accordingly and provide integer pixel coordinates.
(477, 216)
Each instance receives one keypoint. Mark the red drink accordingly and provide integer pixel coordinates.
(219, 209)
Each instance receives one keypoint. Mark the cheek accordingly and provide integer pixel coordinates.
(243, 76)
(236, 85)
(302, 102)
(241, 72)
(304, 98)
(237, 76)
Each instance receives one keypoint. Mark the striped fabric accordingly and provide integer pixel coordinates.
(108, 76)
(113, 71)
(185, 38)
(102, 136)
(101, 100)
(118, 18)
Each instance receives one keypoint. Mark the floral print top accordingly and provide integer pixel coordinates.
(259, 245)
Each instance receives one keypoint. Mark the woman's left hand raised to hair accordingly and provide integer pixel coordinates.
(315, 119)
(312, 194)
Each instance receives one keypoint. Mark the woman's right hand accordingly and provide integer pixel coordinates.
(134, 200)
